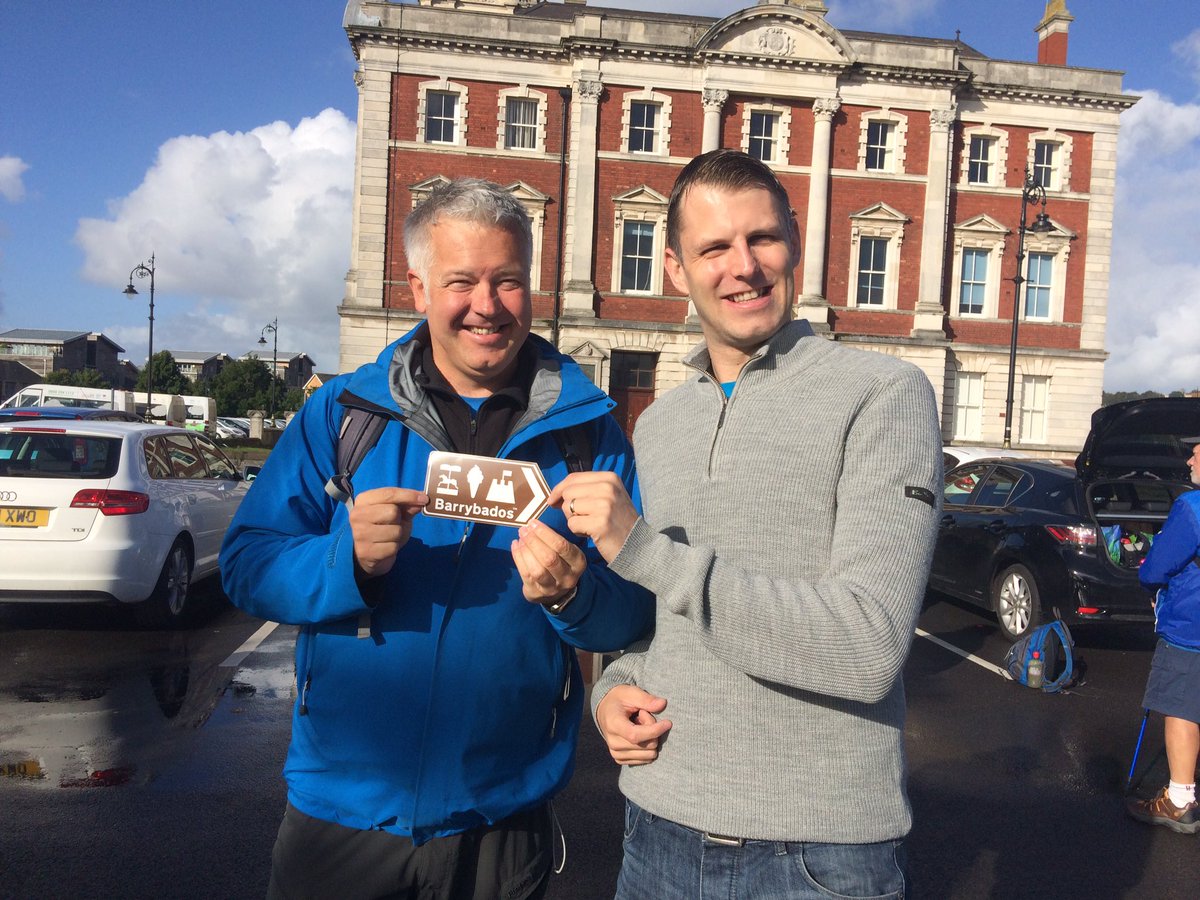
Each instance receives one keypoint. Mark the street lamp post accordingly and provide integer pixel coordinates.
(141, 270)
(1031, 192)
(273, 327)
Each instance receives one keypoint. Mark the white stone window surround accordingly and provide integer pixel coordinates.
(535, 205)
(443, 85)
(523, 92)
(899, 140)
(1060, 180)
(999, 164)
(981, 232)
(662, 142)
(640, 204)
(782, 142)
(1056, 244)
(877, 221)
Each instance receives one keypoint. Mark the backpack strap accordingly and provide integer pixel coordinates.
(575, 444)
(1063, 680)
(359, 432)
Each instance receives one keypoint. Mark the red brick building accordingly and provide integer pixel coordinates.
(905, 159)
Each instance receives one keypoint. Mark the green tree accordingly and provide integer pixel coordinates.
(242, 385)
(167, 377)
(77, 378)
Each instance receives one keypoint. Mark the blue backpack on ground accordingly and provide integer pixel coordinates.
(1051, 642)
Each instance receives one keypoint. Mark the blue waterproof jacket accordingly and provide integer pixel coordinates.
(462, 706)
(1170, 562)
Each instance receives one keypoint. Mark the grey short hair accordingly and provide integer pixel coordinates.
(465, 200)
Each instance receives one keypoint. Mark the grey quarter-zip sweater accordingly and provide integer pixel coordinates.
(787, 533)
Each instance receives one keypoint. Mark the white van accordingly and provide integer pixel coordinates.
(200, 413)
(69, 395)
(165, 409)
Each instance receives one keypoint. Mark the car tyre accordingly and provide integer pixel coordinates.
(1016, 602)
(167, 605)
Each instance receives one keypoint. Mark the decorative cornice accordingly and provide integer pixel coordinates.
(588, 88)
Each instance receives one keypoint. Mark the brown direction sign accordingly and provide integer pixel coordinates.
(484, 489)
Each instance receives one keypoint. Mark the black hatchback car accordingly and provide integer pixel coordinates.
(1033, 539)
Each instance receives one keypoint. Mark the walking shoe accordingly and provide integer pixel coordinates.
(1161, 811)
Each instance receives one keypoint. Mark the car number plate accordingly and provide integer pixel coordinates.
(23, 517)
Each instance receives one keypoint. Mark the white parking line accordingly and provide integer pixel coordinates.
(249, 646)
(964, 654)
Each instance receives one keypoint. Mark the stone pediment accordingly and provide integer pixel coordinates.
(641, 194)
(524, 192)
(796, 33)
(880, 212)
(983, 224)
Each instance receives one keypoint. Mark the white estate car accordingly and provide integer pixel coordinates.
(111, 511)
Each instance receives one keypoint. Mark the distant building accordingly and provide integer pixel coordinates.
(14, 377)
(292, 366)
(46, 350)
(315, 381)
(905, 158)
(197, 364)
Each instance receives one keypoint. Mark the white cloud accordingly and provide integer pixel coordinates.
(244, 227)
(12, 188)
(1154, 299)
(1188, 52)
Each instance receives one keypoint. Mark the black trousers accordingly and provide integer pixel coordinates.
(316, 859)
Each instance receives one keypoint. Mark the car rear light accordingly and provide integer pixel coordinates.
(38, 429)
(1088, 610)
(112, 503)
(1082, 537)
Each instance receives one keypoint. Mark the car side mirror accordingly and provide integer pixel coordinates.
(249, 473)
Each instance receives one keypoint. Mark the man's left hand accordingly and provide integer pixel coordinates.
(550, 566)
(597, 505)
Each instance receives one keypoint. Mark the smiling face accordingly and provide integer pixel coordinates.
(736, 260)
(475, 297)
(1194, 464)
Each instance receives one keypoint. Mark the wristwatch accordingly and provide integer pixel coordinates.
(560, 604)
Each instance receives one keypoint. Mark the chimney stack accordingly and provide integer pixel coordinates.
(1052, 34)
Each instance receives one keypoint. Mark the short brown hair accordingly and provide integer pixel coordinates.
(728, 169)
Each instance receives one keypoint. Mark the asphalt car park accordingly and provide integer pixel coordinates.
(112, 512)
(1032, 540)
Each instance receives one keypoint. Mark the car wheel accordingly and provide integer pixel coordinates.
(167, 604)
(1016, 602)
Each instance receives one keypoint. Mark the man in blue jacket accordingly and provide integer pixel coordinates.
(1173, 567)
(439, 697)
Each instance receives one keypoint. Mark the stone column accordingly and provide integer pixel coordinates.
(580, 291)
(928, 321)
(713, 100)
(813, 304)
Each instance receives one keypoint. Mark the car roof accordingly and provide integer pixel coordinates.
(99, 427)
(1027, 462)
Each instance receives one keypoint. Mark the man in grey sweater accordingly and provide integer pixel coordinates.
(791, 492)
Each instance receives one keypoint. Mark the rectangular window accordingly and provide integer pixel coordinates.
(1037, 286)
(441, 117)
(979, 163)
(1035, 391)
(520, 123)
(968, 406)
(974, 282)
(764, 135)
(1044, 165)
(643, 118)
(637, 256)
(872, 267)
(879, 146)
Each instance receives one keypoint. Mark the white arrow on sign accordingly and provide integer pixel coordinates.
(538, 503)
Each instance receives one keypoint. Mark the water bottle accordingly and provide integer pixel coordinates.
(1035, 674)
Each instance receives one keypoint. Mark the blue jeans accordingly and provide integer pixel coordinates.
(663, 859)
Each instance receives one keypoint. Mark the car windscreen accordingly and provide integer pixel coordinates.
(44, 454)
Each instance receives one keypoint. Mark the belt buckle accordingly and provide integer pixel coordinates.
(724, 839)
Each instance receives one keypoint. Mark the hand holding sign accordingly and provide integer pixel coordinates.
(597, 505)
(381, 523)
(550, 566)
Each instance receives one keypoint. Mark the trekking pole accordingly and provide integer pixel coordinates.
(1137, 750)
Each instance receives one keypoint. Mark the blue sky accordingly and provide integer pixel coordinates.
(220, 136)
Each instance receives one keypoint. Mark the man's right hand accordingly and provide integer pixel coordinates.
(627, 719)
(381, 521)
